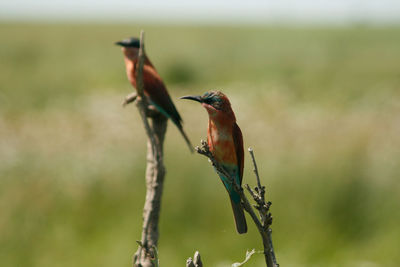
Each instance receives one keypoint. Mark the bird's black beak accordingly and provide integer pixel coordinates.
(121, 43)
(193, 97)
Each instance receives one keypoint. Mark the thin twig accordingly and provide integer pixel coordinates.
(255, 169)
(129, 99)
(140, 63)
(195, 262)
(141, 101)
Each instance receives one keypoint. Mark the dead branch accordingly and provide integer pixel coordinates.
(155, 171)
(195, 262)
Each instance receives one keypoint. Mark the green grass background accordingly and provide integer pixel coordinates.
(319, 105)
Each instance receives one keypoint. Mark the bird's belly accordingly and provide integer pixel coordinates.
(130, 72)
(223, 148)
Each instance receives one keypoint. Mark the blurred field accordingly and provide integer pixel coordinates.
(320, 106)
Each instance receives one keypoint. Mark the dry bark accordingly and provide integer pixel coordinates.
(146, 256)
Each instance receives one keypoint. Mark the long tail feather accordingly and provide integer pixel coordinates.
(238, 213)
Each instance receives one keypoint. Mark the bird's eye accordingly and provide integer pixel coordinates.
(208, 101)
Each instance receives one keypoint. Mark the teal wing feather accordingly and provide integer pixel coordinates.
(238, 141)
(237, 172)
(233, 171)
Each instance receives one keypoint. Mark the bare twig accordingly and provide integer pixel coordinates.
(195, 262)
(129, 99)
(155, 171)
(248, 256)
(255, 169)
(141, 101)
(263, 222)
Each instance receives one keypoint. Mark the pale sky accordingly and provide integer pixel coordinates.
(205, 11)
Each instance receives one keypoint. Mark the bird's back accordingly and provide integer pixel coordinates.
(155, 89)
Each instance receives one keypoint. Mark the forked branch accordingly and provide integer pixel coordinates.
(264, 220)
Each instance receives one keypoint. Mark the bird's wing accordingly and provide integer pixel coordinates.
(238, 140)
(158, 94)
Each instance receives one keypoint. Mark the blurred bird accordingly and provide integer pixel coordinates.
(154, 88)
(225, 142)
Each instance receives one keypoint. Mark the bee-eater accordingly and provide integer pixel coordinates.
(154, 88)
(225, 142)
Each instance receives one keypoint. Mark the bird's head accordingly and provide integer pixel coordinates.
(215, 102)
(130, 47)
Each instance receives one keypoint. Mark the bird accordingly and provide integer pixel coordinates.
(154, 87)
(225, 142)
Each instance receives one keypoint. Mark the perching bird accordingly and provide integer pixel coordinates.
(154, 87)
(225, 142)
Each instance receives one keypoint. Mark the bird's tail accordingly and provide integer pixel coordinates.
(238, 213)
(186, 138)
